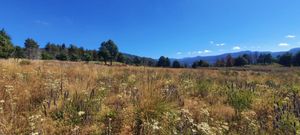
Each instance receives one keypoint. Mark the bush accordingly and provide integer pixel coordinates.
(25, 62)
(202, 88)
(62, 57)
(240, 100)
(46, 56)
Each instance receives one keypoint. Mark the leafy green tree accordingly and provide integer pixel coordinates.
(52, 49)
(203, 63)
(164, 62)
(161, 61)
(200, 63)
(220, 63)
(268, 58)
(113, 50)
(121, 58)
(265, 59)
(285, 59)
(6, 47)
(81, 52)
(47, 56)
(229, 61)
(95, 55)
(31, 49)
(62, 57)
(176, 64)
(151, 63)
(240, 61)
(104, 52)
(296, 59)
(19, 52)
(248, 58)
(167, 62)
(87, 57)
(73, 52)
(74, 57)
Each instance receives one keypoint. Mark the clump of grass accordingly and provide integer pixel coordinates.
(25, 62)
(240, 100)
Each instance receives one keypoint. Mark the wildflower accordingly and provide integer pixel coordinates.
(35, 133)
(174, 131)
(191, 120)
(9, 88)
(75, 129)
(205, 112)
(225, 127)
(205, 128)
(80, 113)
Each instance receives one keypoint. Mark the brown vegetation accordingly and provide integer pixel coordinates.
(52, 97)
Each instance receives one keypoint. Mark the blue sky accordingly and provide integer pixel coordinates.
(173, 28)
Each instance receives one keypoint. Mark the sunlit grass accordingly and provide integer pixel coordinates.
(52, 97)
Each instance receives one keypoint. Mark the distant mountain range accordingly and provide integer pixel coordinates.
(212, 59)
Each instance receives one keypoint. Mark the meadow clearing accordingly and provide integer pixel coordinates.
(53, 97)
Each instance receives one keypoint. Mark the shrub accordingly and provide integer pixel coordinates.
(240, 100)
(25, 62)
(202, 88)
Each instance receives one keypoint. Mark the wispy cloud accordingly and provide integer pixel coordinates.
(199, 52)
(40, 22)
(236, 48)
(179, 53)
(192, 53)
(207, 51)
(283, 44)
(221, 44)
(290, 36)
(216, 44)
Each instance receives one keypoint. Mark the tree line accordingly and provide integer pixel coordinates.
(287, 59)
(108, 52)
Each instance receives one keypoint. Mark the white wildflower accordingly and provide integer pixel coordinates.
(80, 113)
(35, 133)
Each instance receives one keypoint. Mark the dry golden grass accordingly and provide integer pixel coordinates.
(52, 97)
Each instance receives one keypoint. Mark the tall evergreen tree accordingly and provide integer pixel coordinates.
(229, 61)
(31, 49)
(167, 62)
(108, 51)
(248, 58)
(296, 59)
(285, 59)
(161, 61)
(6, 47)
(176, 64)
(104, 52)
(240, 61)
(220, 63)
(113, 50)
(19, 52)
(121, 58)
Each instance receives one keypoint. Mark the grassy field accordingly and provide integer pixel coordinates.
(51, 97)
